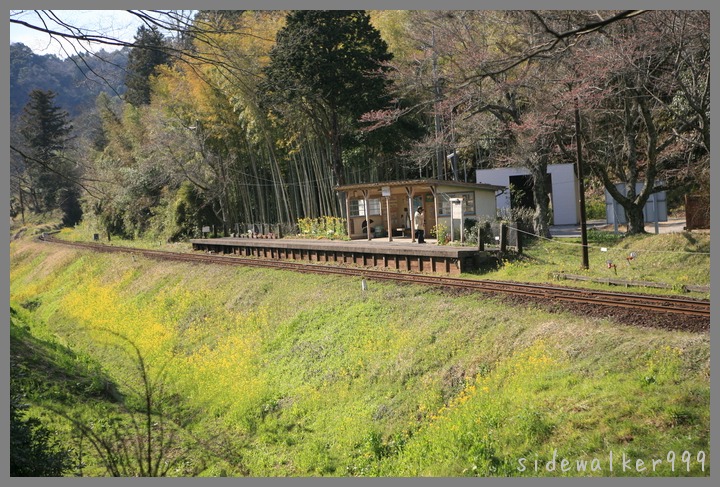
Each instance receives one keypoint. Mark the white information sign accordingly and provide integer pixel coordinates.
(457, 208)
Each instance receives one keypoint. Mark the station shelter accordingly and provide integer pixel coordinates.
(387, 208)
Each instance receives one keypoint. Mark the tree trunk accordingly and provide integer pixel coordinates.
(635, 219)
(541, 217)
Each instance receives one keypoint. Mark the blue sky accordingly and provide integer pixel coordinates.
(116, 23)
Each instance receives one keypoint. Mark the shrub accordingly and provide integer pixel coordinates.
(35, 451)
(595, 209)
(323, 227)
(472, 232)
(442, 233)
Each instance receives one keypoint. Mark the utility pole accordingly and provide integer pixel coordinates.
(581, 181)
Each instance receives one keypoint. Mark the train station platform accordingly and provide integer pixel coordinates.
(399, 254)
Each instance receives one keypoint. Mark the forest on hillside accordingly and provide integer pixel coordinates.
(256, 116)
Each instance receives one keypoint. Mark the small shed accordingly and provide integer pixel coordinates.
(562, 185)
(387, 208)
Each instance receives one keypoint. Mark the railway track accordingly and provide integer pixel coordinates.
(637, 302)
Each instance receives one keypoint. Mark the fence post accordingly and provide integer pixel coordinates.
(518, 237)
(481, 238)
(503, 237)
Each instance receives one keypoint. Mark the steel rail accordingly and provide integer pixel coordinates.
(665, 304)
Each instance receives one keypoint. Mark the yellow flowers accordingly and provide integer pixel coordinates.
(210, 352)
(663, 365)
(510, 376)
(324, 227)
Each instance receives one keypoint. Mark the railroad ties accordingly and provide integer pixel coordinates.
(402, 255)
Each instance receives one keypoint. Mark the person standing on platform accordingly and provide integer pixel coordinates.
(420, 225)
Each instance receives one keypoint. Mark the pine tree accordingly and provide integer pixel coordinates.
(45, 130)
(142, 61)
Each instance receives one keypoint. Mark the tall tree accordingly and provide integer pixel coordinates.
(645, 86)
(50, 177)
(148, 54)
(327, 63)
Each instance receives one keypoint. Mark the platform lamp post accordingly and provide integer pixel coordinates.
(581, 184)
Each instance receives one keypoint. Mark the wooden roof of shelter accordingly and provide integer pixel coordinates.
(418, 182)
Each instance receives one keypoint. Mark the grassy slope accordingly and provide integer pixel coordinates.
(310, 376)
(675, 259)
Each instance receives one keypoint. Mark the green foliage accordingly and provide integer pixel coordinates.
(442, 233)
(329, 57)
(595, 208)
(603, 237)
(149, 53)
(179, 215)
(329, 227)
(326, 69)
(35, 449)
(47, 179)
(473, 229)
(675, 259)
(70, 206)
(129, 434)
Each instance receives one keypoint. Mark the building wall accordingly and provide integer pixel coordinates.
(565, 198)
(485, 203)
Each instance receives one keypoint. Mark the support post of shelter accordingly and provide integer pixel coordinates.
(366, 194)
(347, 213)
(433, 190)
(411, 212)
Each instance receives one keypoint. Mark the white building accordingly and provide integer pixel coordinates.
(562, 186)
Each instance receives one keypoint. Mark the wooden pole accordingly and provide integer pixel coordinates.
(503, 238)
(518, 237)
(581, 183)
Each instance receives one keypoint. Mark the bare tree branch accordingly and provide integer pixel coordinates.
(58, 173)
(557, 37)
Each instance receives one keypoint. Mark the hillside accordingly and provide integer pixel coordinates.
(271, 373)
(77, 80)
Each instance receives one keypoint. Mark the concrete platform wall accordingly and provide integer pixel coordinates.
(418, 258)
